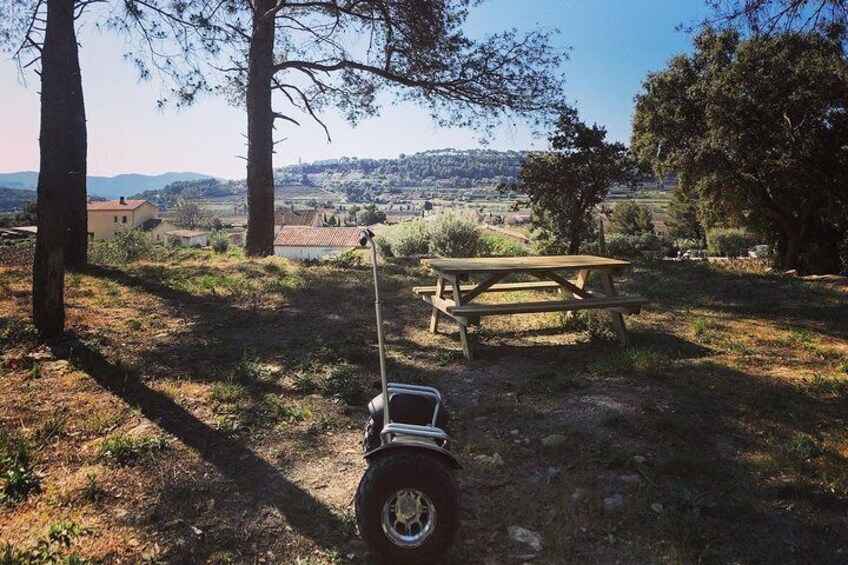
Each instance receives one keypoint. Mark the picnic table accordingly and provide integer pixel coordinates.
(452, 298)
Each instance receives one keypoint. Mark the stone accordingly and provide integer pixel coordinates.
(577, 494)
(554, 440)
(639, 460)
(613, 502)
(553, 474)
(525, 536)
(657, 507)
(631, 479)
(513, 432)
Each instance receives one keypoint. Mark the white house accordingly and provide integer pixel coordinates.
(314, 243)
(190, 238)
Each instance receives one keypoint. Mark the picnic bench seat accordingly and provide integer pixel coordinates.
(632, 305)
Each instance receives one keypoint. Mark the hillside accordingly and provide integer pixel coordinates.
(438, 170)
(108, 187)
(13, 199)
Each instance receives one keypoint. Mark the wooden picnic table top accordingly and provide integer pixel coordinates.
(518, 264)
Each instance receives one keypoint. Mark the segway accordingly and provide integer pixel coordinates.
(407, 503)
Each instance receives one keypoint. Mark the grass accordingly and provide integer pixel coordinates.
(123, 451)
(728, 409)
(631, 360)
(18, 479)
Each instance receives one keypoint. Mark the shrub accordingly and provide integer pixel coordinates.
(17, 478)
(219, 241)
(729, 242)
(131, 245)
(630, 245)
(408, 239)
(173, 241)
(47, 550)
(454, 235)
(497, 246)
(350, 259)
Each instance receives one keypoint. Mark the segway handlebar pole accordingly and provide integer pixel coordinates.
(366, 236)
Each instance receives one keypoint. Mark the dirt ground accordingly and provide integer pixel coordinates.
(209, 409)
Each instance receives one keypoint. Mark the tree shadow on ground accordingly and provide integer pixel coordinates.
(250, 474)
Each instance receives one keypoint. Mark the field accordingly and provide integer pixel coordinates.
(208, 409)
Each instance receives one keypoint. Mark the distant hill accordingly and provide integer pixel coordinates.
(438, 170)
(108, 187)
(12, 199)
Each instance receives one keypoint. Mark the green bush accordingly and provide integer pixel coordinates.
(496, 246)
(350, 259)
(219, 241)
(729, 242)
(454, 235)
(621, 245)
(408, 239)
(131, 245)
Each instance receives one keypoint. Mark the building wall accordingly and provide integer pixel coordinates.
(291, 252)
(103, 225)
(158, 234)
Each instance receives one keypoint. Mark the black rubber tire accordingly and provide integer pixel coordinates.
(401, 469)
(372, 440)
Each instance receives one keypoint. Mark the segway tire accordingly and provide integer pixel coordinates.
(407, 508)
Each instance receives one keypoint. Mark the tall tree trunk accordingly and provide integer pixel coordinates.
(56, 142)
(76, 214)
(260, 126)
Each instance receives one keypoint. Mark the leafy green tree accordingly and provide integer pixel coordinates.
(567, 183)
(684, 220)
(631, 218)
(757, 129)
(370, 215)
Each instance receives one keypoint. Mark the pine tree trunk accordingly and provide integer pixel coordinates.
(260, 142)
(56, 142)
(76, 214)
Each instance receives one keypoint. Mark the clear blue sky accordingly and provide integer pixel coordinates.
(614, 43)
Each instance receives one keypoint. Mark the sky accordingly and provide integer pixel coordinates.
(612, 45)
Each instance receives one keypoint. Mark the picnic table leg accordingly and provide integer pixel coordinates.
(463, 331)
(434, 317)
(617, 317)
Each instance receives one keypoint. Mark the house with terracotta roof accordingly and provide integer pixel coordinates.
(302, 242)
(109, 217)
(294, 217)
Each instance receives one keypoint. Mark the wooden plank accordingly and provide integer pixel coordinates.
(434, 316)
(546, 306)
(500, 287)
(617, 318)
(562, 282)
(519, 264)
(463, 331)
(482, 287)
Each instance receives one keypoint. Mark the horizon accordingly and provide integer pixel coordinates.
(612, 48)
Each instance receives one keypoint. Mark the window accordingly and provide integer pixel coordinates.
(124, 219)
(116, 219)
